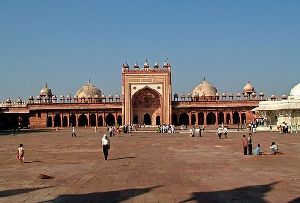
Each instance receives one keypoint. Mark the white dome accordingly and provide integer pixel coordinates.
(204, 89)
(295, 91)
(88, 90)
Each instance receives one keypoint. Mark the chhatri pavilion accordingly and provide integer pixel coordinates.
(146, 98)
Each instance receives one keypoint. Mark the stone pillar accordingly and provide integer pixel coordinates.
(76, 120)
(190, 118)
(52, 120)
(217, 118)
(205, 115)
(197, 122)
(97, 119)
(88, 119)
(104, 122)
(61, 119)
(231, 118)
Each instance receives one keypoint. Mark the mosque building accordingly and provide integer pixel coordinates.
(146, 99)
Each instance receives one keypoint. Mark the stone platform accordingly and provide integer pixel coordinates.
(148, 167)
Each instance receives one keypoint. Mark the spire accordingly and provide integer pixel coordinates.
(89, 80)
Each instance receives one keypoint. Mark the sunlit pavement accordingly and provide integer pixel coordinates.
(148, 167)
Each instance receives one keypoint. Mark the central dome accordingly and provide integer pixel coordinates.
(295, 91)
(88, 91)
(204, 89)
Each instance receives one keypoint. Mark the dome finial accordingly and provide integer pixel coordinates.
(89, 80)
(204, 78)
(46, 85)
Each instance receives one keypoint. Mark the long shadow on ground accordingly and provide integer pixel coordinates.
(247, 194)
(110, 196)
(127, 157)
(7, 193)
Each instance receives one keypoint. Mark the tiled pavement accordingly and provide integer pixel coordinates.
(148, 167)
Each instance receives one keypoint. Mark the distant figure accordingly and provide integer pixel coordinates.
(245, 144)
(20, 153)
(219, 132)
(73, 132)
(57, 129)
(274, 148)
(250, 144)
(257, 150)
(105, 146)
(225, 130)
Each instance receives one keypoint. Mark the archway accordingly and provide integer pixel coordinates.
(220, 118)
(49, 121)
(244, 119)
(65, 121)
(57, 120)
(72, 120)
(193, 119)
(157, 120)
(201, 118)
(100, 121)
(92, 120)
(174, 119)
(236, 118)
(147, 119)
(228, 118)
(82, 120)
(211, 118)
(135, 119)
(110, 120)
(146, 104)
(25, 121)
(119, 120)
(183, 119)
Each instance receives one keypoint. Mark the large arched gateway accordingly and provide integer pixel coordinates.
(146, 106)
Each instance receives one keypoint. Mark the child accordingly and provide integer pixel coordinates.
(257, 151)
(20, 153)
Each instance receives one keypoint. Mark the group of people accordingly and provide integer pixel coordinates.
(166, 128)
(247, 147)
(222, 130)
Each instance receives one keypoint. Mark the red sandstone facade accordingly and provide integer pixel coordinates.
(146, 99)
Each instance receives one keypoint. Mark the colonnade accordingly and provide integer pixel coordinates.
(209, 117)
(69, 119)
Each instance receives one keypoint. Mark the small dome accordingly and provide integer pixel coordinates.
(69, 96)
(189, 95)
(224, 95)
(284, 97)
(45, 91)
(295, 91)
(19, 100)
(261, 94)
(62, 96)
(230, 94)
(248, 88)
(273, 96)
(54, 97)
(126, 65)
(8, 100)
(238, 94)
(156, 65)
(31, 98)
(253, 94)
(205, 89)
(38, 97)
(103, 96)
(88, 89)
(117, 96)
(146, 65)
(176, 95)
(136, 65)
(182, 95)
(110, 96)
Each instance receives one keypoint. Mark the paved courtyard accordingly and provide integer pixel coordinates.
(148, 167)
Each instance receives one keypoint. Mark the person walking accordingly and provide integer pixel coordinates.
(73, 132)
(20, 153)
(105, 146)
(250, 144)
(245, 144)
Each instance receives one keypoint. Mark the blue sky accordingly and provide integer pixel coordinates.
(64, 43)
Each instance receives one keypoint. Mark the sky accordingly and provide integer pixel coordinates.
(66, 42)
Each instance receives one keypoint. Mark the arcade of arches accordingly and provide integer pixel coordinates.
(209, 118)
(83, 119)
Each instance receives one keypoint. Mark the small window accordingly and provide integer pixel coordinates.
(39, 115)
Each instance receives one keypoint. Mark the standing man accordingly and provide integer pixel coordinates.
(73, 132)
(250, 144)
(245, 144)
(105, 146)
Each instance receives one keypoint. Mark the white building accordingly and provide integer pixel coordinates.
(279, 111)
